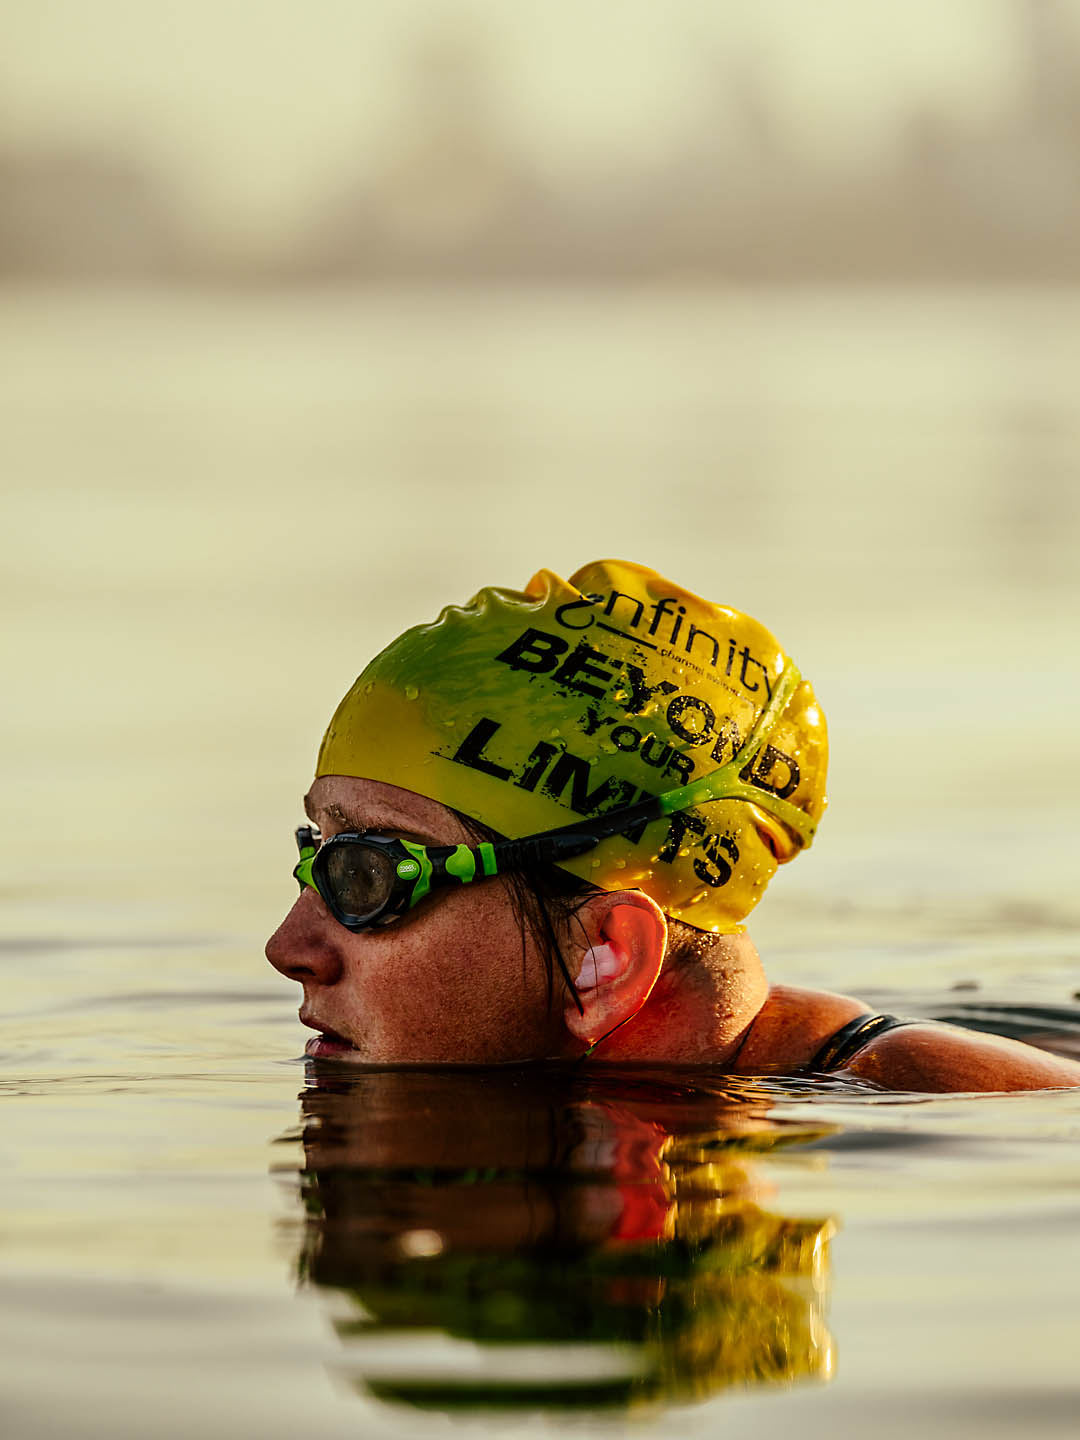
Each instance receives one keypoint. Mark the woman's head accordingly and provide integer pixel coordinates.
(523, 712)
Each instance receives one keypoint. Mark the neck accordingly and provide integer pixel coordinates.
(708, 995)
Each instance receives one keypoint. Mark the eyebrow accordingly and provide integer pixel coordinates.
(377, 820)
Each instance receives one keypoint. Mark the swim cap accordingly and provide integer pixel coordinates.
(527, 710)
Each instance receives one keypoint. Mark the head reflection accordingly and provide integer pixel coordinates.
(533, 1238)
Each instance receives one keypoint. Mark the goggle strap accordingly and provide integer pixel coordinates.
(440, 865)
(726, 782)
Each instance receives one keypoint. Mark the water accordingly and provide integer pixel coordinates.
(214, 510)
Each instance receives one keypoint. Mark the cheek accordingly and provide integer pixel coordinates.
(451, 985)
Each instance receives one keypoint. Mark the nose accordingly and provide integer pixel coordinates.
(305, 946)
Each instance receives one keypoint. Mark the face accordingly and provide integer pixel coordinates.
(448, 983)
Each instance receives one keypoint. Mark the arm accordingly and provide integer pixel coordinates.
(940, 1058)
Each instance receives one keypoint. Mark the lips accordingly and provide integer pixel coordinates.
(328, 1044)
(325, 1047)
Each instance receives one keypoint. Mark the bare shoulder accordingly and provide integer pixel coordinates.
(792, 1026)
(933, 1057)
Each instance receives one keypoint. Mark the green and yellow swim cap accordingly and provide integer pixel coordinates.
(527, 710)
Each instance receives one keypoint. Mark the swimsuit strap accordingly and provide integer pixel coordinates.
(846, 1042)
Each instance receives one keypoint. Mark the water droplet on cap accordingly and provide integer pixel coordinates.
(411, 692)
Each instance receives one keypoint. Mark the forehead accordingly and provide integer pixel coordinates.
(342, 802)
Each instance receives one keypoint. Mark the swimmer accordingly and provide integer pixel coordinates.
(536, 827)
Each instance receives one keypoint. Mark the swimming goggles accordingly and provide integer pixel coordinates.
(367, 881)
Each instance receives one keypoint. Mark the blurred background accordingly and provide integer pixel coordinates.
(315, 318)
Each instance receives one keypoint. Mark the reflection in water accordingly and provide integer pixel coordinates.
(538, 1237)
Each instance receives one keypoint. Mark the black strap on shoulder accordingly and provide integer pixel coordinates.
(846, 1043)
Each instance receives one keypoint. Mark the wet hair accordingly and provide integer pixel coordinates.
(544, 901)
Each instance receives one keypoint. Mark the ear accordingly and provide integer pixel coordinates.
(617, 961)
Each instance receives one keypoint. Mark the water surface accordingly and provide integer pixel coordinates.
(214, 511)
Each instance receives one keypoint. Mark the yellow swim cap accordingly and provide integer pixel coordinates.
(527, 710)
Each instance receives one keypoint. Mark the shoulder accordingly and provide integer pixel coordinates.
(791, 1027)
(932, 1057)
(921, 1056)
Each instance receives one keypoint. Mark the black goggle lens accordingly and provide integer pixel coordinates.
(359, 877)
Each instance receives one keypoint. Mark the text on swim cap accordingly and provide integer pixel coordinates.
(582, 614)
(592, 673)
(568, 779)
